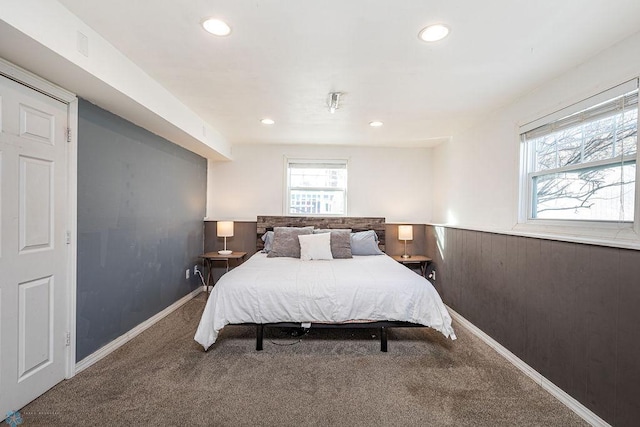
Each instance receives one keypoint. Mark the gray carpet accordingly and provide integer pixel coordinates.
(162, 377)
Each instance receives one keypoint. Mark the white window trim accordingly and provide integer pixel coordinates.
(286, 196)
(610, 233)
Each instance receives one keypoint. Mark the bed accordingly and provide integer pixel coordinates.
(371, 291)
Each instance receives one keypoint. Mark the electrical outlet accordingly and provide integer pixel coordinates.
(196, 269)
(186, 273)
(432, 275)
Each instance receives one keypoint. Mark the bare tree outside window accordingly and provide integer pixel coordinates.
(584, 165)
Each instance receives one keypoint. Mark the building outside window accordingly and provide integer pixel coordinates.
(316, 187)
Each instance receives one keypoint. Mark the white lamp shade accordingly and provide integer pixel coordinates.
(224, 229)
(405, 232)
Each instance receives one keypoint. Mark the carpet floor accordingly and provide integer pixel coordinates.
(325, 378)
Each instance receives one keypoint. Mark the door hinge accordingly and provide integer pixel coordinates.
(68, 134)
(67, 340)
(68, 237)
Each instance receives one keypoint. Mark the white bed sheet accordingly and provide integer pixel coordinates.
(271, 290)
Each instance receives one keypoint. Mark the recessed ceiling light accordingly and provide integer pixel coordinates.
(216, 27)
(375, 124)
(267, 121)
(433, 33)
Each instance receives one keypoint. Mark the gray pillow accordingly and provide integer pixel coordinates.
(285, 241)
(326, 230)
(340, 242)
(365, 243)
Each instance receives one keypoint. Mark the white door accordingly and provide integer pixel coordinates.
(33, 249)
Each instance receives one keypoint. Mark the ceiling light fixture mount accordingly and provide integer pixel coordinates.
(375, 124)
(333, 101)
(216, 27)
(433, 33)
(267, 121)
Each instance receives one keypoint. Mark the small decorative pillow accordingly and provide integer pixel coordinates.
(365, 243)
(267, 238)
(285, 241)
(315, 246)
(340, 242)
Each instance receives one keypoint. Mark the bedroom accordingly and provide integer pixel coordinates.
(447, 185)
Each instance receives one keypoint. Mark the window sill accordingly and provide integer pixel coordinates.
(623, 237)
(614, 235)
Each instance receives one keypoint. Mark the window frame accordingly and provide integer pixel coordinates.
(602, 228)
(344, 163)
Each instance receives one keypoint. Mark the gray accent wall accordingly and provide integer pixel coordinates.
(141, 204)
(571, 311)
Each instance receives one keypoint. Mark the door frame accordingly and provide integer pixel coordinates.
(26, 78)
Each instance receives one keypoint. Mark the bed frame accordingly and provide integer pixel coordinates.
(266, 223)
(381, 326)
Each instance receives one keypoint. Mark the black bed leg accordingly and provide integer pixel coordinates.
(383, 339)
(259, 335)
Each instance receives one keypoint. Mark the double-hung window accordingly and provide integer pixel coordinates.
(580, 163)
(316, 187)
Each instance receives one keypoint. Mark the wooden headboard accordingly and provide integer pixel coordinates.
(266, 223)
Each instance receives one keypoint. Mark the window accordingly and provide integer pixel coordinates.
(316, 187)
(580, 163)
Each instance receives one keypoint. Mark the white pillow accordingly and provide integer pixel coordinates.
(315, 246)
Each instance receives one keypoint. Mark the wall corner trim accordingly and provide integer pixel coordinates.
(128, 336)
(571, 403)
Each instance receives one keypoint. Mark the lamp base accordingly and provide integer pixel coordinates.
(227, 252)
(405, 256)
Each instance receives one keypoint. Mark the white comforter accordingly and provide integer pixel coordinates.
(271, 290)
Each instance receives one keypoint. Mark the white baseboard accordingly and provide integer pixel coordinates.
(123, 339)
(547, 385)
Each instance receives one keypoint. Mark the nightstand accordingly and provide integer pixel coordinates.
(210, 257)
(420, 260)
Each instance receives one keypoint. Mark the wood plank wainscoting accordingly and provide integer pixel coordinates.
(570, 311)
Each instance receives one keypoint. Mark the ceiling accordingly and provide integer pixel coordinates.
(283, 57)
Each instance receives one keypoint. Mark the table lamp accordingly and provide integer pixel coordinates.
(225, 229)
(405, 232)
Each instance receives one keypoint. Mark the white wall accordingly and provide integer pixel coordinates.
(42, 37)
(391, 182)
(476, 173)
